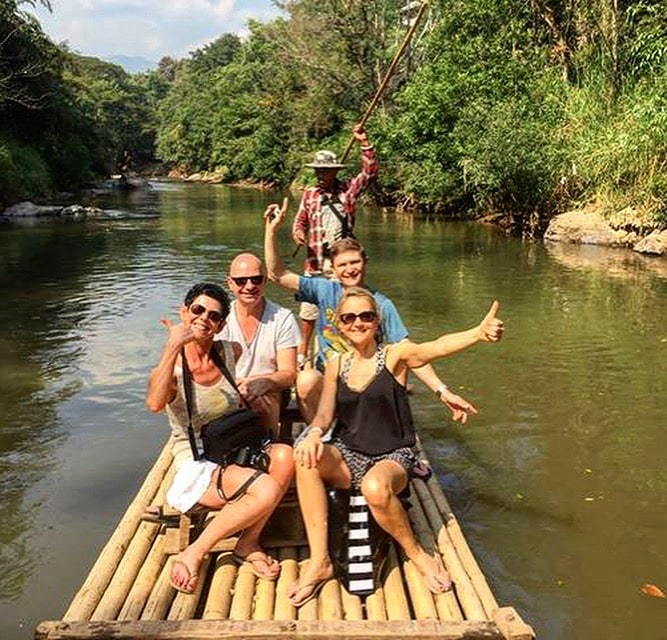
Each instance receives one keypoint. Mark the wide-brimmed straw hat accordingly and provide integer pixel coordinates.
(325, 160)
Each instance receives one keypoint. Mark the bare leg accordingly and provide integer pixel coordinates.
(380, 487)
(281, 470)
(313, 503)
(309, 384)
(307, 328)
(260, 499)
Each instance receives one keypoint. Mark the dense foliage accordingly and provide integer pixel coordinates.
(64, 119)
(515, 107)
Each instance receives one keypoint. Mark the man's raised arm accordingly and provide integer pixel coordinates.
(273, 219)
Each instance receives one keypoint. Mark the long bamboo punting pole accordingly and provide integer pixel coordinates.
(89, 595)
(387, 75)
(219, 601)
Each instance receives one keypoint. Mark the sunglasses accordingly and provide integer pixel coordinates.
(364, 316)
(211, 314)
(242, 280)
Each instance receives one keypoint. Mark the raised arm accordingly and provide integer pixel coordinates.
(277, 271)
(414, 355)
(162, 384)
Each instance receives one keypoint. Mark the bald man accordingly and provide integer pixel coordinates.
(268, 335)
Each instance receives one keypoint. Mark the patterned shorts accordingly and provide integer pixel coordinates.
(359, 463)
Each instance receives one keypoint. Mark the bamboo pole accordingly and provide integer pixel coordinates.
(396, 600)
(128, 569)
(309, 610)
(352, 608)
(244, 591)
(89, 595)
(421, 596)
(459, 542)
(160, 598)
(387, 76)
(331, 602)
(376, 608)
(219, 601)
(265, 599)
(288, 576)
(271, 630)
(465, 590)
(133, 561)
(457, 538)
(145, 581)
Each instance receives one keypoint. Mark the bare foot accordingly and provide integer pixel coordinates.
(309, 584)
(185, 572)
(435, 575)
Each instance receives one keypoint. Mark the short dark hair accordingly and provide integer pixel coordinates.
(211, 290)
(346, 244)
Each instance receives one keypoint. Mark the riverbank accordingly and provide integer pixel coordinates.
(629, 228)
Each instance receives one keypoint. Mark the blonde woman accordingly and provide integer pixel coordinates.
(372, 443)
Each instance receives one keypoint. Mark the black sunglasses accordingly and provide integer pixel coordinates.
(242, 280)
(211, 314)
(364, 316)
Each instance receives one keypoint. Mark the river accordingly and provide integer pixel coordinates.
(560, 482)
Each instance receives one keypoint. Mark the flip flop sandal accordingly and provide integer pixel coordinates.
(315, 588)
(240, 560)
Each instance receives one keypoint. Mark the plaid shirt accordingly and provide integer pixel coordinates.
(309, 217)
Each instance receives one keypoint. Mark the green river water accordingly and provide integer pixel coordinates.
(560, 483)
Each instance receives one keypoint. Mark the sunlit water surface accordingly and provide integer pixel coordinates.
(560, 483)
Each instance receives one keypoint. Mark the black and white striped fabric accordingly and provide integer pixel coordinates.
(360, 576)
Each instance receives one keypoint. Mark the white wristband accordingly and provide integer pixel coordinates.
(311, 429)
(440, 390)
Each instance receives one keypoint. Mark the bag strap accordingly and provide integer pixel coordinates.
(187, 388)
(220, 363)
(343, 219)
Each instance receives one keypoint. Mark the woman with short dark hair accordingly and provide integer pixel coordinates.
(246, 497)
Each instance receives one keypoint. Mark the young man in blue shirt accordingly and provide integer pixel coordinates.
(349, 262)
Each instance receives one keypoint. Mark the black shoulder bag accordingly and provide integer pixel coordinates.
(235, 438)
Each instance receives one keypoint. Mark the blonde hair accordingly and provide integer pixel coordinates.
(360, 292)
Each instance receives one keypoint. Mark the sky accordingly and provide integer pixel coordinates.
(148, 29)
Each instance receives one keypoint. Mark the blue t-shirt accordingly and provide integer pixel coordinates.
(326, 294)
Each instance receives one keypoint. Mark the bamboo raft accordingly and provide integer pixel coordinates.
(127, 593)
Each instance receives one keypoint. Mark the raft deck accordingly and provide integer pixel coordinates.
(128, 595)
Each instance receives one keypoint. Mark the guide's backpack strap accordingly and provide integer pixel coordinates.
(343, 218)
